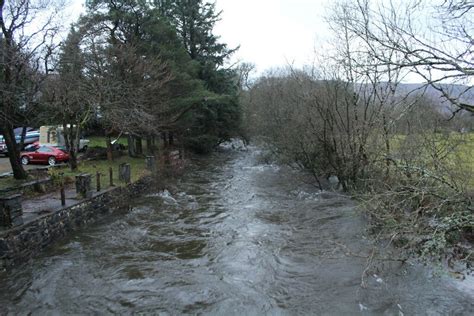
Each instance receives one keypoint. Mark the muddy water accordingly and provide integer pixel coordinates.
(235, 236)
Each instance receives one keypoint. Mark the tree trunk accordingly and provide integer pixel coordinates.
(110, 155)
(138, 146)
(71, 145)
(76, 144)
(165, 141)
(73, 162)
(387, 146)
(13, 154)
(73, 151)
(171, 138)
(149, 145)
(131, 146)
(22, 138)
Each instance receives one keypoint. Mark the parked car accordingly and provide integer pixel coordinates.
(32, 147)
(44, 154)
(30, 137)
(3, 146)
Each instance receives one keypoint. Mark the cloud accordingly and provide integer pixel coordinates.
(272, 33)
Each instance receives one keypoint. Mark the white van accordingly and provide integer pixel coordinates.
(53, 136)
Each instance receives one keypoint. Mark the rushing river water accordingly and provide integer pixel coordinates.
(235, 236)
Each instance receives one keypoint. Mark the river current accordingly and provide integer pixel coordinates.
(233, 236)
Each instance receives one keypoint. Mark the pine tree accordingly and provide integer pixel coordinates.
(194, 21)
(218, 117)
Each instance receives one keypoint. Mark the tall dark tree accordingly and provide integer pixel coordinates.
(218, 118)
(195, 21)
(66, 94)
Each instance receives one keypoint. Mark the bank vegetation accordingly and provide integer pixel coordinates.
(403, 151)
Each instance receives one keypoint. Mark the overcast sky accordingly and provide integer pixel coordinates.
(273, 32)
(270, 33)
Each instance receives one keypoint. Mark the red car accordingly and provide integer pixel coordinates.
(44, 154)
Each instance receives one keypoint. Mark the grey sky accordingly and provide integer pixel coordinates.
(273, 32)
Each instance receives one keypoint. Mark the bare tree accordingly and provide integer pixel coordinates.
(431, 41)
(23, 48)
(66, 96)
(425, 177)
(244, 71)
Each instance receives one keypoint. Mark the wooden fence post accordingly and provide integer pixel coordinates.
(111, 176)
(125, 172)
(97, 177)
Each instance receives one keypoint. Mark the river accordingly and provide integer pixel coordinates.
(233, 236)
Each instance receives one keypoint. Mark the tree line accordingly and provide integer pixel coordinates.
(135, 67)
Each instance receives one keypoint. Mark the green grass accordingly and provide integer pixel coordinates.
(461, 158)
(466, 154)
(99, 141)
(466, 149)
(137, 166)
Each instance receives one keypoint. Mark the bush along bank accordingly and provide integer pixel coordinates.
(426, 216)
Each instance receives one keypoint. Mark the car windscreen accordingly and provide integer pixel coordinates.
(44, 150)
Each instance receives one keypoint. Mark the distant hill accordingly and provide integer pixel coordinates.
(462, 92)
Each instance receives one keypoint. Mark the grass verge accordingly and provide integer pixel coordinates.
(137, 167)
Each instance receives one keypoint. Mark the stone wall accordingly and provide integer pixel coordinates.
(21, 243)
(40, 186)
